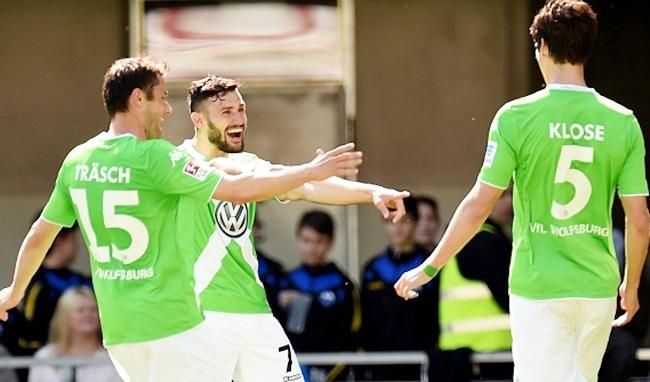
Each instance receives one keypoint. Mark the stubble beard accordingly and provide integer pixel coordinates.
(219, 140)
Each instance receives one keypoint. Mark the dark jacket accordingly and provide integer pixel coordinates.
(332, 319)
(390, 322)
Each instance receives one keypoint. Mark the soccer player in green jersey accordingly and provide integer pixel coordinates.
(252, 344)
(124, 187)
(568, 150)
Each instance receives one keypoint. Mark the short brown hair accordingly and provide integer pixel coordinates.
(128, 74)
(208, 87)
(569, 29)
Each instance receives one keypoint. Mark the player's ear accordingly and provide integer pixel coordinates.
(543, 47)
(197, 118)
(137, 97)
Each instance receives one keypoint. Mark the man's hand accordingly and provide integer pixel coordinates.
(629, 303)
(8, 299)
(286, 298)
(410, 280)
(341, 161)
(390, 202)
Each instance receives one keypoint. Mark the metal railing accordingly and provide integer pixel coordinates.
(309, 359)
(373, 358)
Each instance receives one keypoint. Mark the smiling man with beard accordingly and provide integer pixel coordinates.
(253, 346)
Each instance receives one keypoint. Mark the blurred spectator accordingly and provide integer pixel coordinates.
(428, 227)
(620, 357)
(390, 323)
(75, 332)
(28, 324)
(6, 375)
(474, 300)
(269, 270)
(322, 304)
(331, 311)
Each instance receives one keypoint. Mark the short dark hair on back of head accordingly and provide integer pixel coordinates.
(208, 87)
(569, 29)
(431, 202)
(127, 74)
(319, 221)
(411, 207)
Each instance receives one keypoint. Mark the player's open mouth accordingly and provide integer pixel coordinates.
(235, 134)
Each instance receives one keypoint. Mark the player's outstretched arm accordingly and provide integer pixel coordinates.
(637, 226)
(263, 185)
(339, 191)
(30, 256)
(465, 223)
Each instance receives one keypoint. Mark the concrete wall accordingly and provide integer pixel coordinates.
(54, 54)
(430, 76)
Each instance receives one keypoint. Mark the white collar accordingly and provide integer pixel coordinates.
(556, 86)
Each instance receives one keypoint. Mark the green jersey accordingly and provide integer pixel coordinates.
(125, 193)
(226, 268)
(568, 149)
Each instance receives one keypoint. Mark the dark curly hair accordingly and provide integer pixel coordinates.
(208, 87)
(569, 29)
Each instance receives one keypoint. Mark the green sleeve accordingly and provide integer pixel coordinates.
(59, 209)
(500, 156)
(632, 180)
(174, 172)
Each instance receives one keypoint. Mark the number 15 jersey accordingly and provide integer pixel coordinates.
(125, 194)
(568, 149)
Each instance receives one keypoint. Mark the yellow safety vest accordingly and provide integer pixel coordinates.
(469, 316)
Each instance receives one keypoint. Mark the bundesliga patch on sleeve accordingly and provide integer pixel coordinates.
(490, 152)
(196, 170)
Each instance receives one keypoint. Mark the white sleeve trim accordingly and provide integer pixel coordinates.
(493, 185)
(626, 195)
(282, 201)
(57, 223)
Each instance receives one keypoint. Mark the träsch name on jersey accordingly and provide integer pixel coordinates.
(102, 174)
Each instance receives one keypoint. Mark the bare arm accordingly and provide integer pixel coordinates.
(637, 226)
(339, 191)
(30, 256)
(263, 185)
(465, 223)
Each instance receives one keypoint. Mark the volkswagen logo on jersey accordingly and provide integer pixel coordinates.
(232, 219)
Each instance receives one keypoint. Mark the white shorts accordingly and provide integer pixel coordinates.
(559, 340)
(187, 356)
(253, 348)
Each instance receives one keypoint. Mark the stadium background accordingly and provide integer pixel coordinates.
(429, 76)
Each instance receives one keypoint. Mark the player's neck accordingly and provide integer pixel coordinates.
(206, 148)
(565, 74)
(126, 123)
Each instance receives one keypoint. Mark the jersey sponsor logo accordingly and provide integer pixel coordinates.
(232, 219)
(196, 170)
(175, 156)
(490, 153)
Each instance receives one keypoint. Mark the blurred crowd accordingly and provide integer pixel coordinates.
(462, 311)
